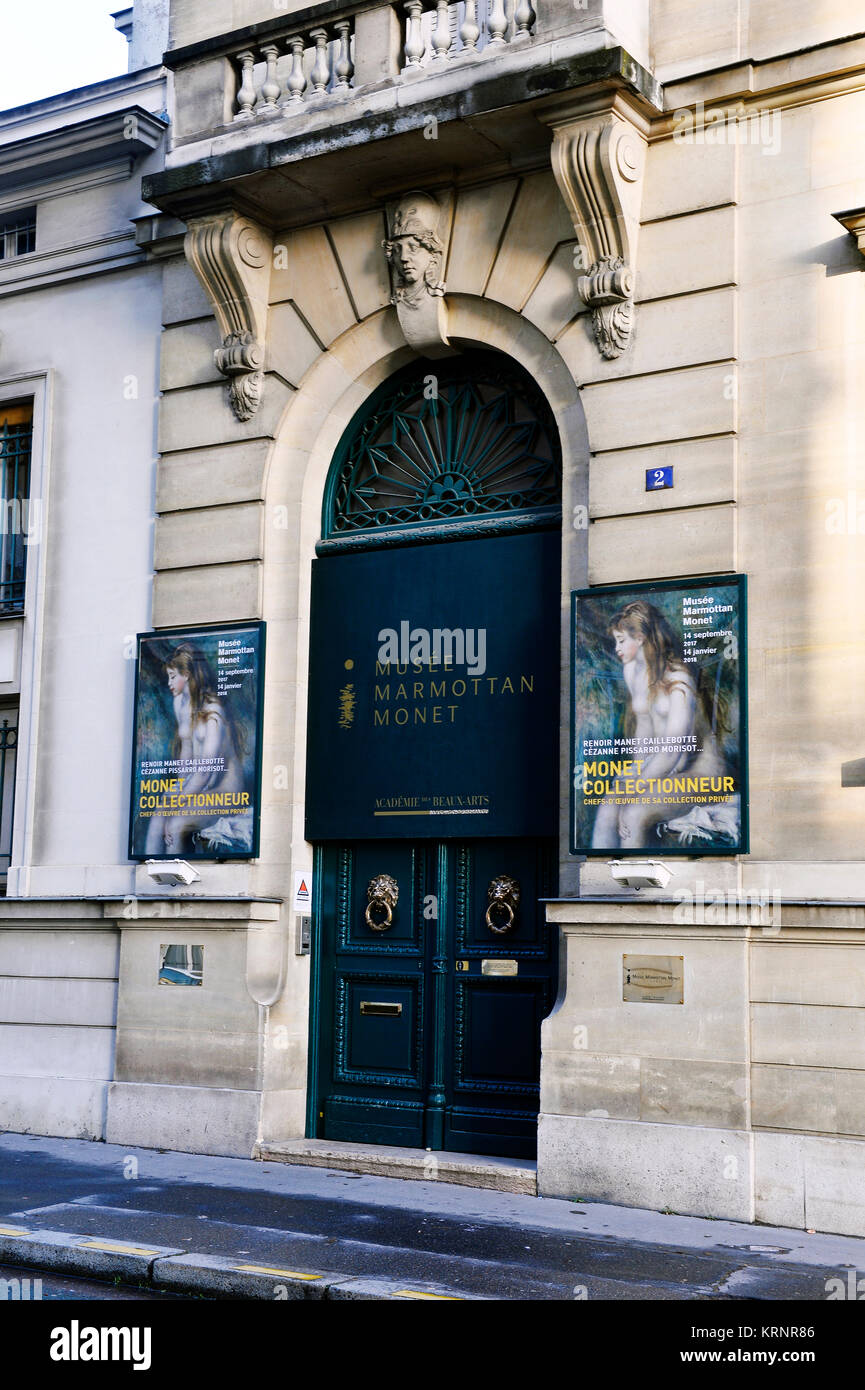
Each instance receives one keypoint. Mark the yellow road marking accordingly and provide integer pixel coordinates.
(416, 1293)
(114, 1249)
(14, 1231)
(266, 1269)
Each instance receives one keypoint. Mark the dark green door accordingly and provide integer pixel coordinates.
(431, 1028)
(433, 762)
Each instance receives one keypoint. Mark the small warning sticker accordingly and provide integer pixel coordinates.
(302, 892)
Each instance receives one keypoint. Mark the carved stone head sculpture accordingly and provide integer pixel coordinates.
(415, 251)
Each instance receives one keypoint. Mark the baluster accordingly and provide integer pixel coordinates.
(320, 75)
(441, 39)
(246, 92)
(469, 31)
(414, 44)
(524, 18)
(296, 79)
(497, 24)
(343, 67)
(270, 89)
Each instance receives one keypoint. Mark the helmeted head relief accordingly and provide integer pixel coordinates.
(415, 250)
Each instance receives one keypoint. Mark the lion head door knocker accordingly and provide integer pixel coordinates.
(504, 897)
(382, 892)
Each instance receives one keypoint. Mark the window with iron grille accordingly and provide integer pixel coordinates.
(17, 233)
(16, 440)
(8, 750)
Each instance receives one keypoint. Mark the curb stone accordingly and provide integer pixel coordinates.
(162, 1267)
(225, 1278)
(69, 1253)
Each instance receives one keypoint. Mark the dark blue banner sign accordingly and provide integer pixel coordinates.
(433, 691)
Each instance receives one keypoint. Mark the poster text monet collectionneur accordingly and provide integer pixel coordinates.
(197, 744)
(659, 718)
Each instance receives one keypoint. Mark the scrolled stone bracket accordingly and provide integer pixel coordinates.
(231, 255)
(608, 291)
(598, 157)
(241, 359)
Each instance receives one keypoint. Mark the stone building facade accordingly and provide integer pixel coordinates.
(79, 305)
(657, 216)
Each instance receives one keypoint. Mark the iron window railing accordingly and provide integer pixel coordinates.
(16, 441)
(8, 757)
(17, 233)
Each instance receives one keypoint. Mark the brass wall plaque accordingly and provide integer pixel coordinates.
(653, 979)
(500, 967)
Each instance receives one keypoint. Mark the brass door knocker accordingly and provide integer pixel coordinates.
(504, 896)
(382, 892)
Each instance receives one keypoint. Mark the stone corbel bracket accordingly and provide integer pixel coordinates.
(853, 221)
(599, 160)
(231, 255)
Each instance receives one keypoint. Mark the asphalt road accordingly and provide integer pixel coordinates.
(478, 1244)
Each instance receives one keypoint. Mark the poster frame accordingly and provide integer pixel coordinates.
(179, 634)
(645, 588)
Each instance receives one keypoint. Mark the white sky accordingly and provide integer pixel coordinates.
(51, 46)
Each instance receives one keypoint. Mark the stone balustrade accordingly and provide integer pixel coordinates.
(437, 31)
(307, 66)
(327, 61)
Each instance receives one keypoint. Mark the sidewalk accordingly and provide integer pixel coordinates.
(244, 1229)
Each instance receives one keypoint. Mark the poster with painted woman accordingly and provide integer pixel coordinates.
(196, 769)
(659, 716)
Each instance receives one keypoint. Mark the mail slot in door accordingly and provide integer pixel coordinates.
(380, 1009)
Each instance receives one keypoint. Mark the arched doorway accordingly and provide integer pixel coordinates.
(432, 776)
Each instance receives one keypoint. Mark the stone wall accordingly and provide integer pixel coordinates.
(746, 1101)
(747, 352)
(58, 1002)
(687, 38)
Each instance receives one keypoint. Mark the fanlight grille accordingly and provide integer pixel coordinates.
(448, 444)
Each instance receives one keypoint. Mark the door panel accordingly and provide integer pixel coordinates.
(421, 1046)
(376, 1064)
(496, 1019)
(379, 1026)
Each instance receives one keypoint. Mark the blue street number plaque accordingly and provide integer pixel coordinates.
(656, 478)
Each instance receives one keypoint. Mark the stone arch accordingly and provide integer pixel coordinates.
(336, 384)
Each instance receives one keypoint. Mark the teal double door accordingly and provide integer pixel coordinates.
(429, 1028)
(432, 779)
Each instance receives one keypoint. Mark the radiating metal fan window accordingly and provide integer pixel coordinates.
(16, 513)
(467, 446)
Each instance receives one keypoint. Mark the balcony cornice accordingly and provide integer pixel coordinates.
(239, 164)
